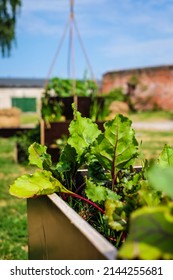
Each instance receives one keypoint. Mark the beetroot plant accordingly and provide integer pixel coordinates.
(132, 207)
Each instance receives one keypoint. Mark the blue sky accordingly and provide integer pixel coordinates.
(117, 35)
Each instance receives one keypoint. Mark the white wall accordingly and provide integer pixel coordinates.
(6, 95)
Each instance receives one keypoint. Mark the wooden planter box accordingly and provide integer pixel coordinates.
(83, 105)
(57, 232)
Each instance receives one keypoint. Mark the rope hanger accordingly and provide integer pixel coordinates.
(72, 25)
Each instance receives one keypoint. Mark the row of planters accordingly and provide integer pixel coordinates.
(93, 203)
(57, 109)
(57, 112)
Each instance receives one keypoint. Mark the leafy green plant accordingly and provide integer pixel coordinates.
(117, 195)
(64, 87)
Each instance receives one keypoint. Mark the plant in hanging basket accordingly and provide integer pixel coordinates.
(128, 206)
(59, 96)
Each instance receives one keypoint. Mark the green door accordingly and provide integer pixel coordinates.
(26, 104)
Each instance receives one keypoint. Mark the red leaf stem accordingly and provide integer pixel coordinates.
(87, 200)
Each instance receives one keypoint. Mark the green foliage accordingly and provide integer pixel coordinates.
(151, 233)
(24, 140)
(83, 131)
(39, 183)
(8, 11)
(135, 203)
(160, 174)
(116, 95)
(39, 157)
(117, 147)
(166, 157)
(64, 87)
(161, 178)
(95, 192)
(115, 214)
(60, 92)
(51, 109)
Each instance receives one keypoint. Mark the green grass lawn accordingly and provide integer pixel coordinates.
(13, 219)
(151, 143)
(151, 116)
(29, 119)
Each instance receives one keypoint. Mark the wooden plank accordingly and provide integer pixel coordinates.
(9, 132)
(57, 232)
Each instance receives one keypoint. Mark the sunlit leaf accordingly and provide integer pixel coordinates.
(39, 157)
(115, 214)
(39, 183)
(166, 157)
(151, 234)
(83, 132)
(148, 195)
(95, 192)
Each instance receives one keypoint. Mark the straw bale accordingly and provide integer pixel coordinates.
(10, 118)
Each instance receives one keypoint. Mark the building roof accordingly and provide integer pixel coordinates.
(132, 70)
(22, 82)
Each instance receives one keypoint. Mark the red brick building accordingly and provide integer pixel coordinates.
(150, 87)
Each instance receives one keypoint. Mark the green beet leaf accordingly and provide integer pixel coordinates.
(166, 157)
(161, 178)
(83, 132)
(39, 183)
(117, 147)
(39, 157)
(95, 192)
(67, 161)
(150, 236)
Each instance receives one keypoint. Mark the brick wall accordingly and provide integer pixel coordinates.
(153, 89)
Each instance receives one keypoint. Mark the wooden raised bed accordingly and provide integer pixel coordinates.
(57, 232)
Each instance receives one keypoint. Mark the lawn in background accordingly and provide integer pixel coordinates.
(13, 220)
(151, 143)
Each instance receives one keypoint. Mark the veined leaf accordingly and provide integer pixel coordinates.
(115, 214)
(112, 195)
(95, 192)
(39, 157)
(83, 132)
(39, 183)
(161, 178)
(150, 236)
(166, 157)
(117, 146)
(98, 193)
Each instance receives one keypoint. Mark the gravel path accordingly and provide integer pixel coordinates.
(160, 126)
